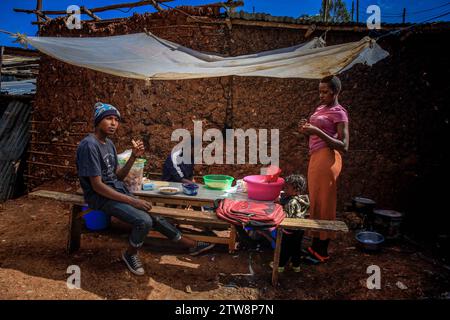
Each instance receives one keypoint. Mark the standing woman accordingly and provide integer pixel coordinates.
(328, 137)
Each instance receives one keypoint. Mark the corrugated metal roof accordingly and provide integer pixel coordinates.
(19, 87)
(14, 136)
(284, 19)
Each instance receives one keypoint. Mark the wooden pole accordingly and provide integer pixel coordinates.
(276, 256)
(404, 15)
(90, 13)
(94, 10)
(2, 49)
(50, 165)
(75, 226)
(325, 11)
(156, 5)
(38, 16)
(357, 11)
(353, 10)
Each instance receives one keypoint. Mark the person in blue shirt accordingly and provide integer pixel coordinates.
(176, 169)
(103, 188)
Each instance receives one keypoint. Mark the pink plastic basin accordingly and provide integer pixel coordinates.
(259, 189)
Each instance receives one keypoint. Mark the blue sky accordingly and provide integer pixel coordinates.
(390, 10)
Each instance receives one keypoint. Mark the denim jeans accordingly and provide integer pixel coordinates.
(141, 221)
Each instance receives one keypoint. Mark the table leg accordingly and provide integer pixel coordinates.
(232, 243)
(74, 234)
(276, 256)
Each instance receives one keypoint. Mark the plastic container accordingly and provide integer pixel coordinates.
(259, 189)
(96, 220)
(190, 189)
(218, 181)
(272, 173)
(134, 179)
(148, 186)
(370, 241)
(388, 223)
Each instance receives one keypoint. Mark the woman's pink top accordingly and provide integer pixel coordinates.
(326, 119)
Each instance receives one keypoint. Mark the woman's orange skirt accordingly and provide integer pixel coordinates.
(324, 168)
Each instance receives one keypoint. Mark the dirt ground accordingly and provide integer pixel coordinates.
(33, 265)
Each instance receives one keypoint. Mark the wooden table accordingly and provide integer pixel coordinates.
(204, 197)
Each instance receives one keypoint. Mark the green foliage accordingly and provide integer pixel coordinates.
(334, 11)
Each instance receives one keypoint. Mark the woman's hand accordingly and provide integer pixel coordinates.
(138, 148)
(301, 124)
(309, 129)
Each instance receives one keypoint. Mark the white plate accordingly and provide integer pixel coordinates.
(168, 190)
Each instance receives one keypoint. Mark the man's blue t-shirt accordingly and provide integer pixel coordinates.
(95, 158)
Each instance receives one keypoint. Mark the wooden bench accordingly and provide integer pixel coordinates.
(188, 217)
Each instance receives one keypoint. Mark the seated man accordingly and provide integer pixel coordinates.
(176, 170)
(103, 187)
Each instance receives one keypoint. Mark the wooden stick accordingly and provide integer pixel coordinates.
(50, 165)
(36, 178)
(211, 239)
(21, 52)
(2, 49)
(56, 144)
(276, 256)
(41, 15)
(94, 10)
(232, 242)
(78, 134)
(23, 64)
(51, 154)
(74, 234)
(156, 5)
(38, 16)
(90, 13)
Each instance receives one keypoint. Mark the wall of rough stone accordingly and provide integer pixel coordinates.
(397, 108)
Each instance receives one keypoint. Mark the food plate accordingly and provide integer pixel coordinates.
(169, 190)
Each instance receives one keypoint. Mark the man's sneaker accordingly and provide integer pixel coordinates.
(296, 269)
(133, 263)
(200, 247)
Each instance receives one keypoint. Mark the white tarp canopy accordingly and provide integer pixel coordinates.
(145, 56)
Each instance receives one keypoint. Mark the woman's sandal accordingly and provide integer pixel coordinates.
(317, 256)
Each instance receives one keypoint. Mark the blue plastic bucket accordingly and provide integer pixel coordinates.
(96, 220)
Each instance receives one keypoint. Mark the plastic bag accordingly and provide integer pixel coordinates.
(134, 179)
(124, 156)
(241, 186)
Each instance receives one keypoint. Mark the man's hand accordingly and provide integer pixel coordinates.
(141, 204)
(138, 148)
